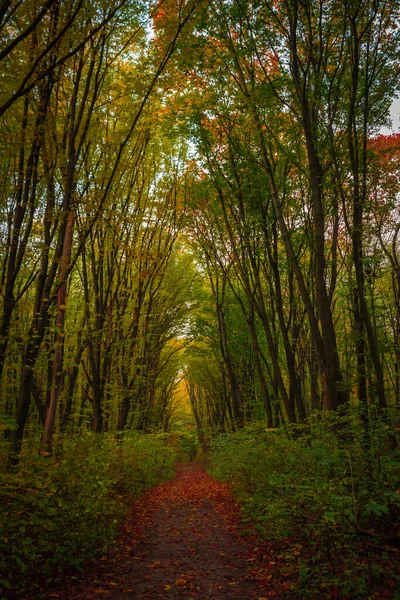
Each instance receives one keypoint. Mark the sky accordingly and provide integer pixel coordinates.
(395, 113)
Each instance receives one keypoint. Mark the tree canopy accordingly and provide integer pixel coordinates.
(197, 192)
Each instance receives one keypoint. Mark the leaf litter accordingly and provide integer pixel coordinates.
(186, 539)
(182, 539)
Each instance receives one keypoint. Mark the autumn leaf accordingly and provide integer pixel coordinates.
(180, 582)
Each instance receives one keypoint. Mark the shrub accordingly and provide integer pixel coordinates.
(57, 511)
(325, 482)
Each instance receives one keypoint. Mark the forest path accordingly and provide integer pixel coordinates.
(178, 542)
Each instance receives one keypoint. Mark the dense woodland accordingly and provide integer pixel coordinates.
(200, 232)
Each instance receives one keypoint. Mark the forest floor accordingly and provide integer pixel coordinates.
(186, 539)
(182, 540)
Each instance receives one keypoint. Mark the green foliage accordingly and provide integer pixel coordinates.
(57, 511)
(189, 444)
(324, 483)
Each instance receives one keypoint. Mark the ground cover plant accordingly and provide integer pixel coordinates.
(319, 487)
(57, 511)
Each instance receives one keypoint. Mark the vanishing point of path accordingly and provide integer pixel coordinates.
(179, 542)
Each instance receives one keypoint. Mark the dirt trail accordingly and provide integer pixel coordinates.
(179, 542)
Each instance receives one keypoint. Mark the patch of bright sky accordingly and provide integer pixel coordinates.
(395, 116)
(149, 29)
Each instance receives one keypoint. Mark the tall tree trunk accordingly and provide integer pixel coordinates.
(359, 167)
(264, 388)
(233, 385)
(60, 334)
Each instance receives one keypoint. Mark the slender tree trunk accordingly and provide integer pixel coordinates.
(25, 199)
(60, 335)
(264, 388)
(233, 385)
(295, 388)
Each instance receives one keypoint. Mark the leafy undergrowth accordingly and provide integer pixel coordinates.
(58, 511)
(185, 539)
(320, 518)
(332, 504)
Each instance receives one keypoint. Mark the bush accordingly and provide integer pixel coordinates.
(324, 483)
(57, 511)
